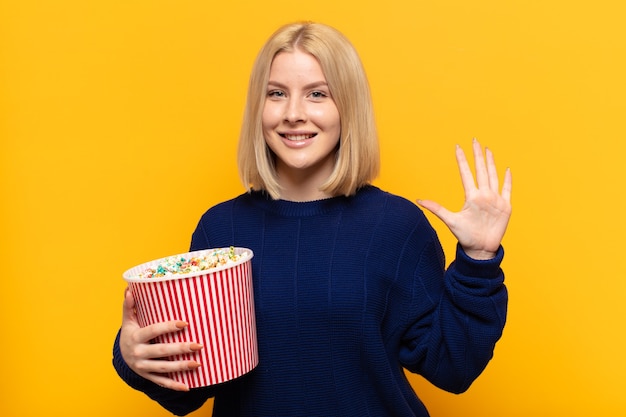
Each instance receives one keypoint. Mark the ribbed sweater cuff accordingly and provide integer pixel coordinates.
(470, 267)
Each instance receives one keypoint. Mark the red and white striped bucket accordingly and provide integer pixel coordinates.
(218, 304)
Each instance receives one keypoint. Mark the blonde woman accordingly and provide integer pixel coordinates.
(350, 281)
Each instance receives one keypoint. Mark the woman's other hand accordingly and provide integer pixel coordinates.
(480, 225)
(146, 358)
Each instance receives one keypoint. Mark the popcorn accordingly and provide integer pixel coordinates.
(178, 265)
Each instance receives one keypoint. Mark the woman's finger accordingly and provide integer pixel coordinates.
(164, 350)
(148, 333)
(507, 186)
(156, 371)
(494, 182)
(165, 382)
(482, 177)
(163, 366)
(467, 179)
(128, 312)
(445, 215)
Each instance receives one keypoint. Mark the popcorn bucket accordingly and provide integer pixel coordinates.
(218, 304)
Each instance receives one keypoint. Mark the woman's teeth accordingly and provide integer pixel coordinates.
(298, 137)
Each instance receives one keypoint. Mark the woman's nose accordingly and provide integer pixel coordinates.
(295, 111)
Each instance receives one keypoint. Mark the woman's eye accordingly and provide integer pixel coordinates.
(275, 93)
(318, 94)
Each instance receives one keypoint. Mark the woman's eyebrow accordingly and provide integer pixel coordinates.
(314, 84)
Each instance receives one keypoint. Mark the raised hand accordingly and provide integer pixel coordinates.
(480, 225)
(146, 358)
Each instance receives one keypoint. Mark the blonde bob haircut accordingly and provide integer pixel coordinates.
(357, 157)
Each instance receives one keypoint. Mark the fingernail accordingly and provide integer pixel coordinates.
(194, 365)
(181, 324)
(195, 347)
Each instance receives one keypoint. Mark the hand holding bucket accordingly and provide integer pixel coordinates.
(218, 305)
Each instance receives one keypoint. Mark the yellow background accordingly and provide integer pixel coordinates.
(118, 127)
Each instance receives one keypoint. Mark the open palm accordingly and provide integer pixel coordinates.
(480, 225)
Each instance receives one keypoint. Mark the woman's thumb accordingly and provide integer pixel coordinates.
(129, 306)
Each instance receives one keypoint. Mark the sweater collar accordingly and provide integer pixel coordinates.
(305, 208)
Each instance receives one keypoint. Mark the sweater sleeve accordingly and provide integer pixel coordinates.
(452, 343)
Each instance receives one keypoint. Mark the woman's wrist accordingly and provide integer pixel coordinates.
(479, 255)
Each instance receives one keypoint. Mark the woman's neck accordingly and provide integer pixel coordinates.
(300, 195)
(300, 185)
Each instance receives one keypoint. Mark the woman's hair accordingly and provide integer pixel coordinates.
(358, 155)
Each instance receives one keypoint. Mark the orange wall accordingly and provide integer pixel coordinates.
(118, 128)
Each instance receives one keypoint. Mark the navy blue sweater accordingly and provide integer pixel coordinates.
(348, 292)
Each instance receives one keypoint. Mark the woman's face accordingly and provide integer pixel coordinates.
(301, 123)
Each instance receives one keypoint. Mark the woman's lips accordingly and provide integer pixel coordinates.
(297, 140)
